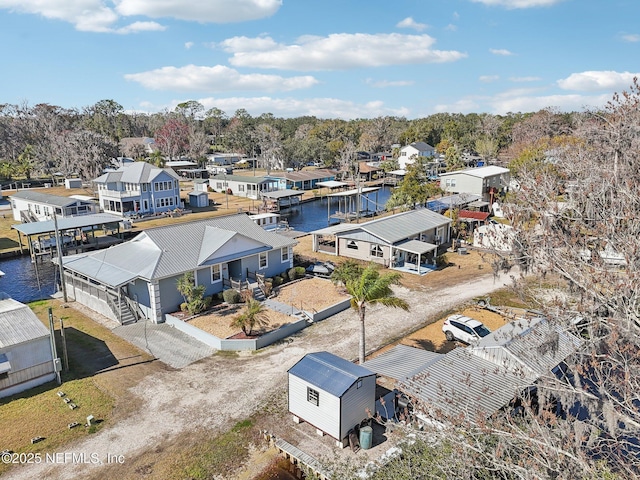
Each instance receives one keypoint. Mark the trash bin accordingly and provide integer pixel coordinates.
(366, 436)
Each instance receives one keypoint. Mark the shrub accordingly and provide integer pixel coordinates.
(184, 306)
(442, 261)
(232, 296)
(277, 281)
(284, 276)
(296, 272)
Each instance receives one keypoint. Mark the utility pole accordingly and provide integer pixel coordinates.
(59, 251)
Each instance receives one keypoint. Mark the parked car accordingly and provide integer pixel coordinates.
(465, 329)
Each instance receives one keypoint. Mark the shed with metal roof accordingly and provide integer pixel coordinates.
(331, 393)
(26, 359)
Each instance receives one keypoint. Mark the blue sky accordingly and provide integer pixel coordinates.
(331, 58)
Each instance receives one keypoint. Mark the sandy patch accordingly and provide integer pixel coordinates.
(311, 294)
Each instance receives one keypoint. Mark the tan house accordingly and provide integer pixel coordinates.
(408, 241)
(484, 181)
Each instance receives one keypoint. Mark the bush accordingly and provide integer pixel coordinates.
(231, 296)
(277, 281)
(296, 272)
(442, 261)
(284, 276)
(184, 306)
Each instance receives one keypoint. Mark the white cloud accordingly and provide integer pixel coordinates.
(451, 27)
(409, 22)
(102, 16)
(339, 51)
(389, 83)
(188, 45)
(295, 107)
(597, 80)
(512, 4)
(631, 37)
(524, 79)
(488, 78)
(136, 27)
(501, 51)
(193, 78)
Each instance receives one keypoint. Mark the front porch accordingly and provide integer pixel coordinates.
(414, 256)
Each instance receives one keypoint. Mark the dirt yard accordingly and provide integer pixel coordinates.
(310, 294)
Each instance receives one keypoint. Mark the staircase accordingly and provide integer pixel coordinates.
(257, 292)
(121, 311)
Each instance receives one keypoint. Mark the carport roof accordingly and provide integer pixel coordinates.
(67, 223)
(416, 246)
(401, 362)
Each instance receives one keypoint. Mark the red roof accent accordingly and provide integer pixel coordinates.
(482, 216)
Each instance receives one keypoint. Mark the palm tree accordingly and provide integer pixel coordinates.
(254, 315)
(370, 288)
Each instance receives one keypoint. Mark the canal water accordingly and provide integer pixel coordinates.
(26, 284)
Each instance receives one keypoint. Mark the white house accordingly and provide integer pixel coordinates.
(485, 181)
(26, 359)
(139, 188)
(243, 186)
(417, 149)
(34, 206)
(331, 393)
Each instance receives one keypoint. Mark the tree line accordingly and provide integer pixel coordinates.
(44, 139)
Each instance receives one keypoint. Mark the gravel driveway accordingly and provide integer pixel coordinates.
(220, 389)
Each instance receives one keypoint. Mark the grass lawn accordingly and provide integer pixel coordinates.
(102, 368)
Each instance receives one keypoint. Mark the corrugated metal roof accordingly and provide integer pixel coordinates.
(305, 175)
(171, 250)
(18, 324)
(246, 178)
(401, 362)
(452, 201)
(275, 194)
(416, 246)
(462, 384)
(329, 372)
(534, 345)
(67, 223)
(39, 197)
(403, 225)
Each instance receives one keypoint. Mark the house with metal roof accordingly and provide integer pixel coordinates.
(139, 188)
(475, 382)
(26, 358)
(408, 241)
(484, 181)
(243, 186)
(303, 179)
(408, 153)
(35, 206)
(138, 278)
(331, 393)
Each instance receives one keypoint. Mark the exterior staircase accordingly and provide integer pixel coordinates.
(122, 311)
(257, 292)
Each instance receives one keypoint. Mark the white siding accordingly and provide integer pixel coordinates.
(355, 403)
(325, 416)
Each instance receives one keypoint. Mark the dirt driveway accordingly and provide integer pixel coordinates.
(222, 389)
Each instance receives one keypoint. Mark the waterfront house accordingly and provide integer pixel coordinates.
(487, 182)
(408, 153)
(331, 393)
(139, 188)
(407, 241)
(243, 186)
(139, 277)
(34, 206)
(304, 179)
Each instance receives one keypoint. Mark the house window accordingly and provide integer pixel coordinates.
(262, 260)
(241, 188)
(313, 396)
(450, 182)
(216, 273)
(352, 244)
(37, 207)
(218, 185)
(376, 251)
(46, 211)
(144, 187)
(285, 254)
(4, 375)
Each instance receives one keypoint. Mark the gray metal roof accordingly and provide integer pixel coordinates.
(530, 344)
(462, 384)
(305, 175)
(354, 191)
(329, 372)
(401, 226)
(416, 246)
(452, 201)
(54, 200)
(246, 179)
(401, 362)
(136, 173)
(173, 249)
(67, 223)
(480, 172)
(18, 323)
